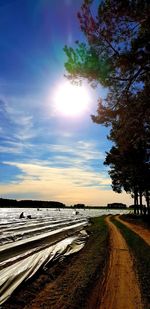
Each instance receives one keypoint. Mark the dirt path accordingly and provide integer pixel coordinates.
(138, 229)
(121, 290)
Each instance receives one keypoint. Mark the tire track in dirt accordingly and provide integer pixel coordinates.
(138, 229)
(121, 290)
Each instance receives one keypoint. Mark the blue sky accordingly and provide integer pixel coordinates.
(45, 154)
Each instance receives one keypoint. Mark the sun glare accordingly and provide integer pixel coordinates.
(71, 100)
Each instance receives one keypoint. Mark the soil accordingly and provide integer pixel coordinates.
(121, 290)
(69, 283)
(101, 276)
(139, 229)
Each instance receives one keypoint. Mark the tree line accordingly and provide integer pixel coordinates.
(30, 203)
(117, 56)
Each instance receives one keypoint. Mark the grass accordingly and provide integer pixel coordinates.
(95, 260)
(70, 282)
(137, 219)
(141, 254)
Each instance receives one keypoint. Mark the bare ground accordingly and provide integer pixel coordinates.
(71, 283)
(121, 290)
(65, 286)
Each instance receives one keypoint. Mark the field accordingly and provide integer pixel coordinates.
(110, 271)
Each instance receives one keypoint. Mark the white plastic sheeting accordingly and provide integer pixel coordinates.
(20, 259)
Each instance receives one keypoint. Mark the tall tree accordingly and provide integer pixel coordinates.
(128, 172)
(117, 55)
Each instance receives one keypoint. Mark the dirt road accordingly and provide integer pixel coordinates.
(121, 290)
(138, 229)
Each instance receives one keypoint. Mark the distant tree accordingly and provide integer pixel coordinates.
(117, 55)
(7, 203)
(79, 206)
(116, 206)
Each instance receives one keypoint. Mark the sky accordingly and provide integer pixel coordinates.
(48, 150)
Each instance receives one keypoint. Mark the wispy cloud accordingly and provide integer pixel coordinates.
(67, 185)
(49, 163)
(21, 123)
(79, 150)
(73, 175)
(82, 146)
(11, 147)
(16, 129)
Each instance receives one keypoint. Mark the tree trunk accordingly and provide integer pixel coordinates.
(147, 197)
(135, 202)
(141, 206)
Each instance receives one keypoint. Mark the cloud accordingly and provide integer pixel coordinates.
(67, 185)
(16, 129)
(72, 174)
(2, 106)
(56, 179)
(80, 149)
(11, 147)
(22, 124)
(53, 165)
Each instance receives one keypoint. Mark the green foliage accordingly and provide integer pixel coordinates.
(128, 169)
(117, 55)
(86, 63)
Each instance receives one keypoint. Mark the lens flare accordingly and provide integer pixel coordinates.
(71, 100)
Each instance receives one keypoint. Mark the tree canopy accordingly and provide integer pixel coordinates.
(117, 55)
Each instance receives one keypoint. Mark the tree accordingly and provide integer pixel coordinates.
(117, 55)
(128, 172)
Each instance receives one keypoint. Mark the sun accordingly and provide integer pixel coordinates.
(71, 100)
